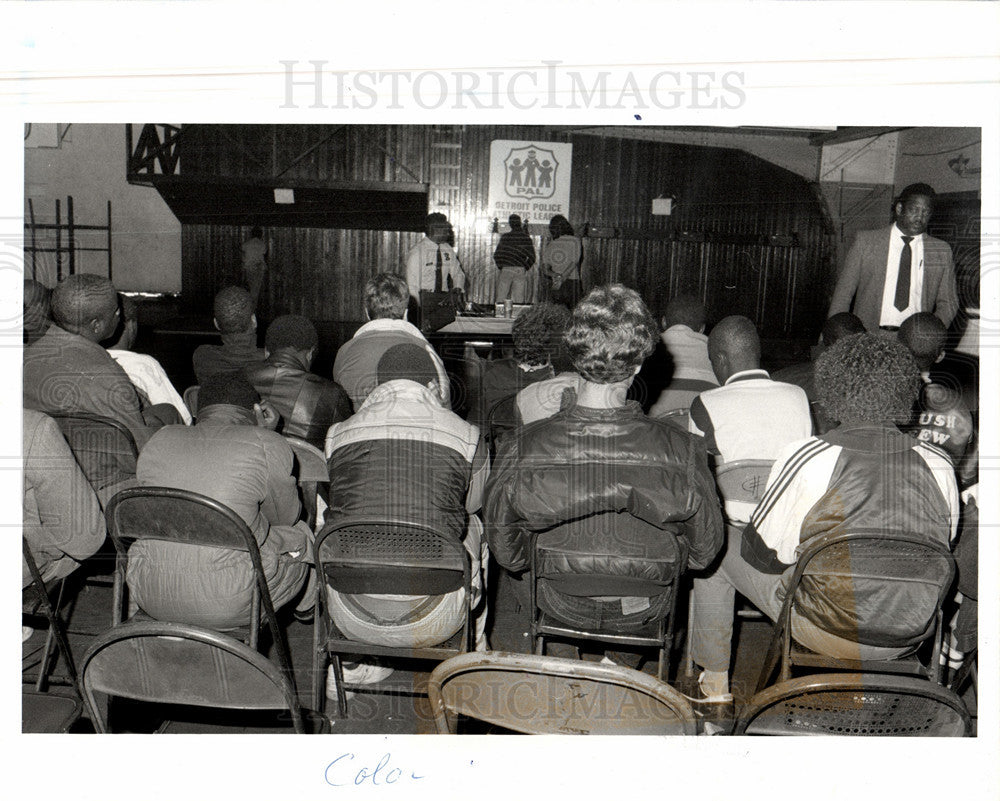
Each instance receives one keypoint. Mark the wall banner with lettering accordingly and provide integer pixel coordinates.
(530, 179)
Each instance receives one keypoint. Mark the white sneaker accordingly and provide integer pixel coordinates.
(359, 673)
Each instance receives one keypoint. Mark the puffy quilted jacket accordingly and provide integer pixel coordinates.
(609, 492)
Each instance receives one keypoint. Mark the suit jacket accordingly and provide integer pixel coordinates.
(862, 279)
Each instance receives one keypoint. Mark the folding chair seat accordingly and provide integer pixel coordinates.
(187, 518)
(37, 605)
(182, 665)
(882, 588)
(547, 695)
(365, 556)
(584, 565)
(740, 481)
(856, 705)
(45, 713)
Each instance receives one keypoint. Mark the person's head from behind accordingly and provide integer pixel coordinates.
(913, 209)
(292, 332)
(87, 305)
(840, 325)
(235, 390)
(386, 297)
(256, 232)
(233, 310)
(559, 226)
(867, 379)
(437, 227)
(925, 336)
(611, 334)
(538, 333)
(733, 346)
(684, 310)
(515, 222)
(411, 363)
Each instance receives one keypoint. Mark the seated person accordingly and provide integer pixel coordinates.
(63, 523)
(840, 325)
(355, 367)
(237, 323)
(143, 370)
(308, 404)
(404, 455)
(229, 455)
(36, 304)
(67, 371)
(537, 332)
(601, 477)
(864, 474)
(683, 326)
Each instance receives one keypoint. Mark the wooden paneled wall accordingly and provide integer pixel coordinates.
(320, 273)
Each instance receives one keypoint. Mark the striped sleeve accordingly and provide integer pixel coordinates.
(799, 478)
(941, 467)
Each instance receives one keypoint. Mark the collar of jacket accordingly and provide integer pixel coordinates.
(244, 339)
(288, 357)
(222, 414)
(389, 324)
(401, 389)
(571, 407)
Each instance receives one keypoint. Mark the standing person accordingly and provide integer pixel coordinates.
(893, 273)
(432, 263)
(255, 263)
(514, 256)
(562, 260)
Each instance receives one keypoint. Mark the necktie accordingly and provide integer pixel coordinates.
(902, 299)
(437, 270)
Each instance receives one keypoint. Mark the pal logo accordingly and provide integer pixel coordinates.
(530, 172)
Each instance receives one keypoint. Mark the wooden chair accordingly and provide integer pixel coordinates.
(856, 705)
(548, 553)
(546, 695)
(386, 557)
(37, 604)
(741, 481)
(174, 663)
(882, 567)
(183, 517)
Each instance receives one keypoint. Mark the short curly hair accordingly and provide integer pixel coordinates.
(386, 297)
(867, 378)
(82, 297)
(233, 310)
(538, 332)
(611, 335)
(232, 388)
(290, 331)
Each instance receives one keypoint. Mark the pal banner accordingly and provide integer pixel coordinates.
(530, 179)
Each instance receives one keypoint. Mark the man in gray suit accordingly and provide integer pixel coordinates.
(891, 274)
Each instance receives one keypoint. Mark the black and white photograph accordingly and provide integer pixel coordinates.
(508, 390)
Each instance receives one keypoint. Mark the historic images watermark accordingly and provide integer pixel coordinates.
(311, 84)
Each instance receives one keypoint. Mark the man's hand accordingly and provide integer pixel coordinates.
(266, 415)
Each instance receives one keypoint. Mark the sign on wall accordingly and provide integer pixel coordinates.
(530, 179)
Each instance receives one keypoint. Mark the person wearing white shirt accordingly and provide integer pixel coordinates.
(432, 263)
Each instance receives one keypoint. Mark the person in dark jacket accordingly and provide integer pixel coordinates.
(602, 479)
(234, 316)
(864, 474)
(308, 404)
(514, 256)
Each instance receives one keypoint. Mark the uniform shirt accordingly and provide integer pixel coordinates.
(421, 266)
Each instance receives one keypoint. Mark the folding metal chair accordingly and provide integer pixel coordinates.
(882, 580)
(548, 559)
(183, 517)
(44, 713)
(361, 556)
(37, 597)
(743, 481)
(104, 448)
(547, 695)
(174, 663)
(856, 705)
(500, 419)
(190, 398)
(312, 473)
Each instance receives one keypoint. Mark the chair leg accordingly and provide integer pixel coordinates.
(338, 677)
(540, 644)
(771, 659)
(688, 661)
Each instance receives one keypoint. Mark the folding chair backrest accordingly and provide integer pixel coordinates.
(190, 398)
(501, 418)
(547, 695)
(311, 461)
(875, 587)
(104, 448)
(391, 557)
(173, 663)
(744, 480)
(856, 705)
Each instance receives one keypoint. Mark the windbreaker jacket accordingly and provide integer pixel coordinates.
(615, 481)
